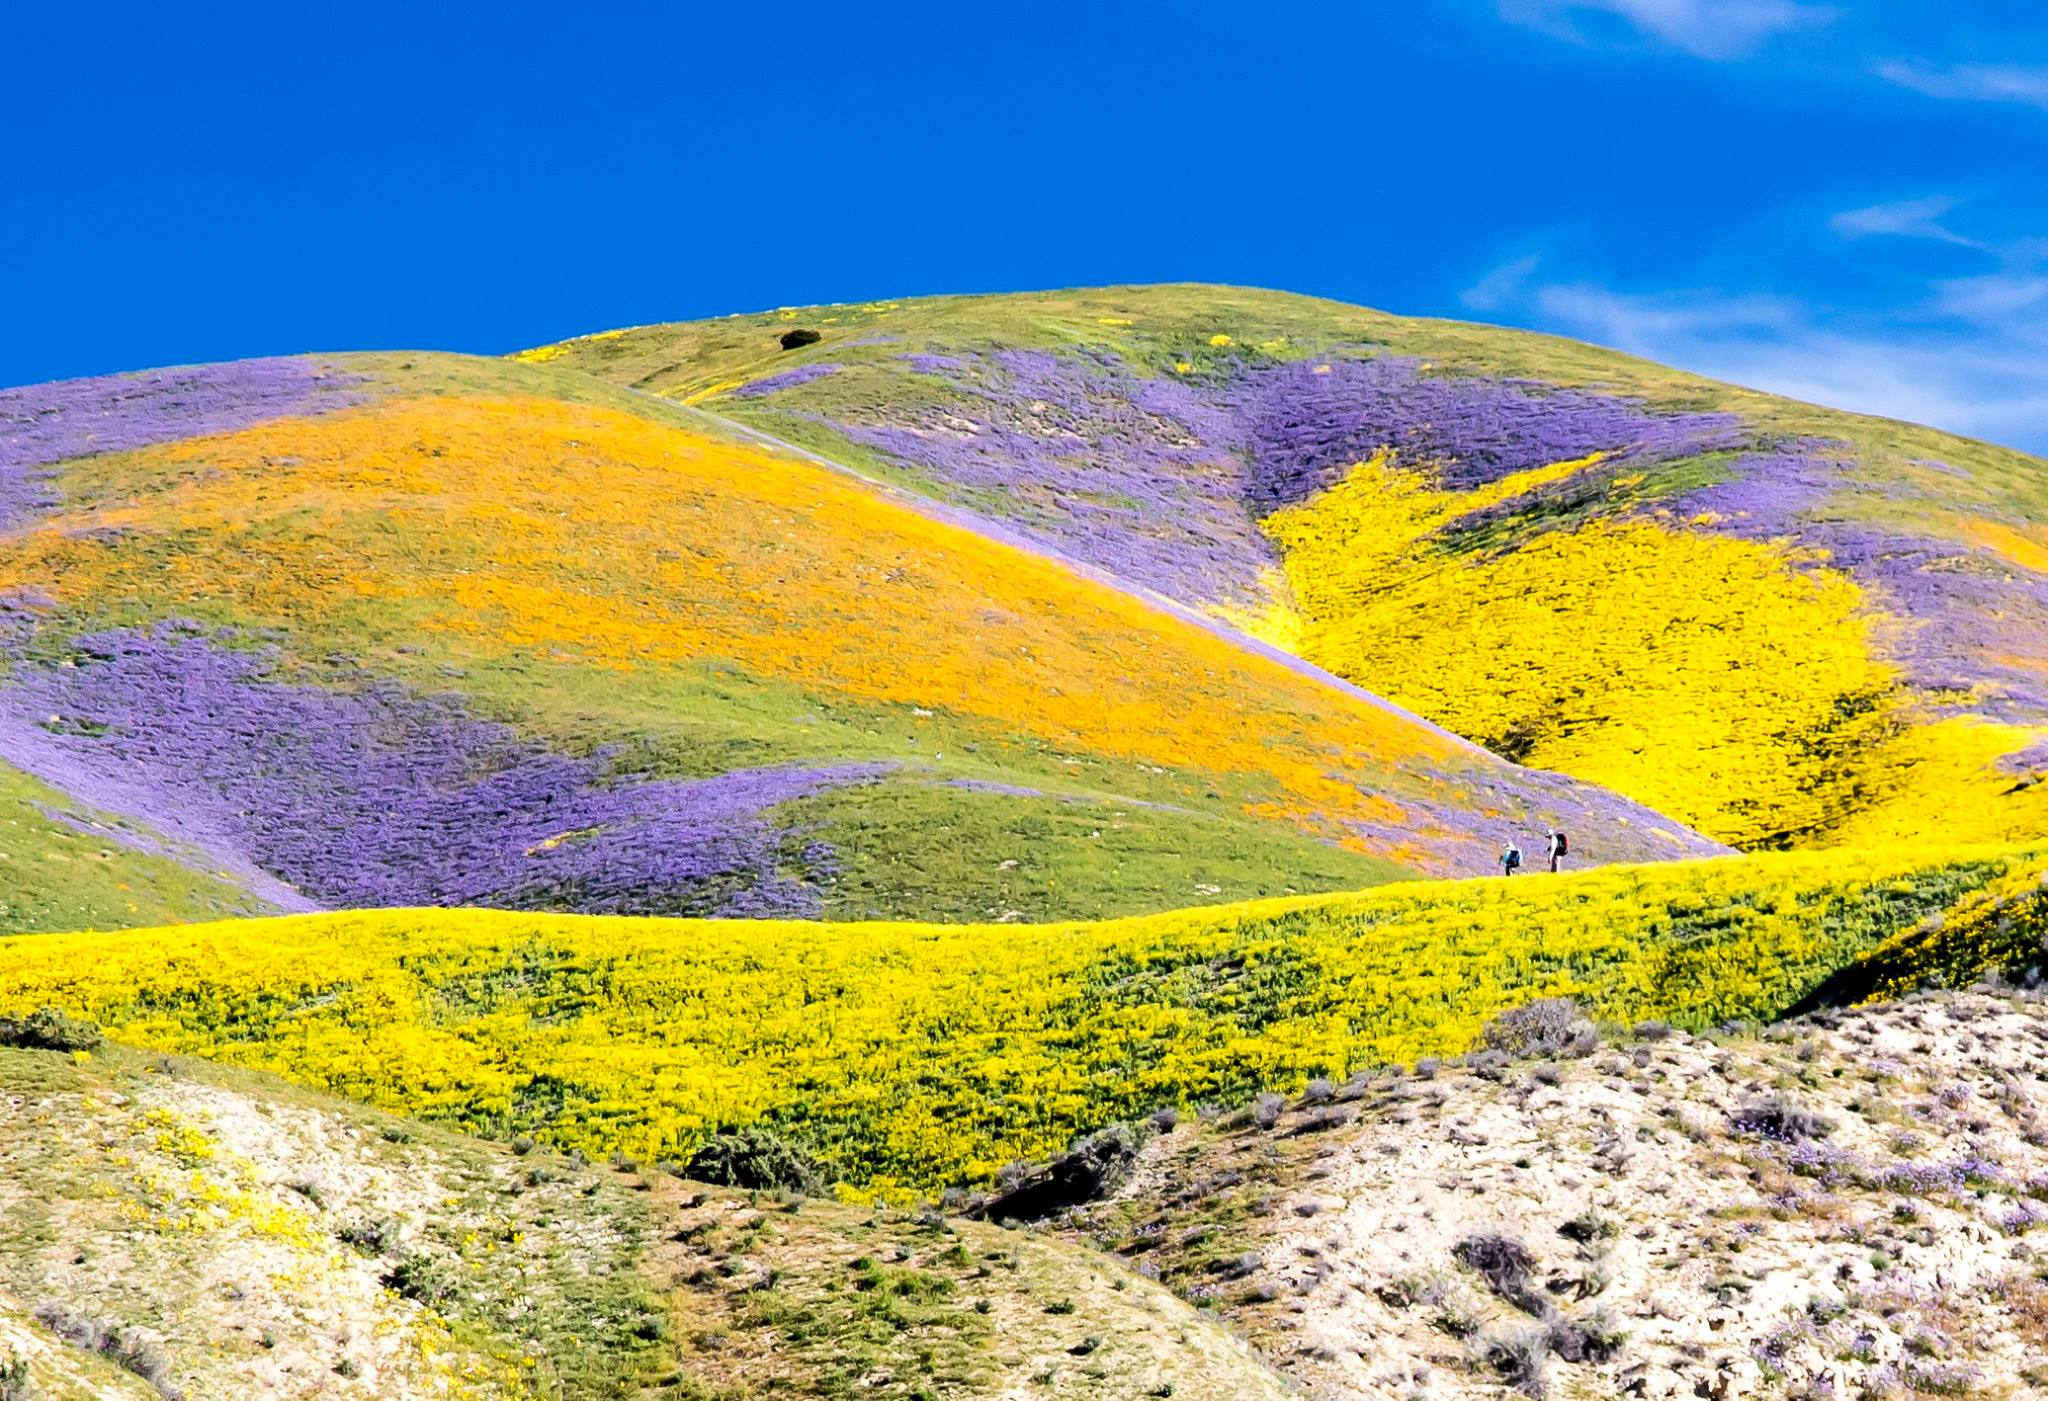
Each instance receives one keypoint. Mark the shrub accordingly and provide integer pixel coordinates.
(1265, 1110)
(15, 1383)
(1093, 1167)
(755, 1158)
(1595, 1338)
(120, 1345)
(1164, 1120)
(49, 1030)
(1518, 1357)
(420, 1278)
(1781, 1118)
(1550, 1026)
(1506, 1265)
(799, 337)
(1589, 1226)
(371, 1235)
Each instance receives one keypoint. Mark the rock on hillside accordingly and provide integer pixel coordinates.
(1842, 1206)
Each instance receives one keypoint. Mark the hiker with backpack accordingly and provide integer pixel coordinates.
(1560, 847)
(1510, 859)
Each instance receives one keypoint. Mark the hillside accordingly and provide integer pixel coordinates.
(911, 1058)
(389, 631)
(1847, 1196)
(1842, 1206)
(1779, 624)
(168, 1230)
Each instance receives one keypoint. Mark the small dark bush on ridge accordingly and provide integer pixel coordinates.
(1506, 1265)
(799, 338)
(1094, 1166)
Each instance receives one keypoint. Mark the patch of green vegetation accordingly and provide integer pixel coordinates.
(930, 849)
(63, 866)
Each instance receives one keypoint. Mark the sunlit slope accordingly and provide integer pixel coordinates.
(172, 1228)
(481, 633)
(926, 1054)
(1782, 624)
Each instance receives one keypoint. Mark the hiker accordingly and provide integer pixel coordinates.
(1560, 847)
(1510, 859)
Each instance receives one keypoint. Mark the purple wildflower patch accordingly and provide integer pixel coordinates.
(378, 796)
(1162, 480)
(1305, 425)
(1133, 475)
(43, 424)
(784, 379)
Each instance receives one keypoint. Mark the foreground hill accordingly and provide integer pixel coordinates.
(1844, 1205)
(908, 1058)
(1780, 624)
(375, 631)
(171, 1230)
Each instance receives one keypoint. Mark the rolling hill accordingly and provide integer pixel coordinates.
(1840, 1195)
(376, 631)
(913, 1058)
(1782, 625)
(945, 848)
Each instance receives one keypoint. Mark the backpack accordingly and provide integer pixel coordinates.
(1564, 844)
(1513, 858)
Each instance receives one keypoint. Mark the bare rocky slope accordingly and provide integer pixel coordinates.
(1842, 1206)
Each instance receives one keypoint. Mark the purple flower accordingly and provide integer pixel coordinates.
(371, 795)
(785, 379)
(1303, 426)
(49, 423)
(1160, 480)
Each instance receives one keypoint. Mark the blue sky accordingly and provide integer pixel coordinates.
(1844, 202)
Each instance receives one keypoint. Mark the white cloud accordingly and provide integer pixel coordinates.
(1992, 298)
(1990, 379)
(1972, 82)
(1501, 286)
(1910, 218)
(1706, 28)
